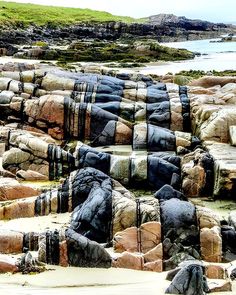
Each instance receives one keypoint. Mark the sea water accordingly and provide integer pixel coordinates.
(219, 56)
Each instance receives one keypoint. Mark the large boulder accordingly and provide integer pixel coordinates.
(228, 234)
(224, 156)
(154, 254)
(210, 81)
(11, 189)
(180, 229)
(207, 218)
(149, 235)
(197, 173)
(85, 253)
(216, 127)
(7, 264)
(78, 250)
(30, 175)
(156, 266)
(129, 260)
(48, 110)
(125, 213)
(92, 203)
(17, 159)
(11, 242)
(167, 192)
(211, 244)
(190, 280)
(18, 209)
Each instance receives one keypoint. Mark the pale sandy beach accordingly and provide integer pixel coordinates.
(88, 281)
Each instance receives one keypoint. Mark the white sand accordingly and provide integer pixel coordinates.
(36, 224)
(88, 281)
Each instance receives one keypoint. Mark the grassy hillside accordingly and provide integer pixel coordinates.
(27, 14)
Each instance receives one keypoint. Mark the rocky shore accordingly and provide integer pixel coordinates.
(162, 27)
(104, 41)
(92, 139)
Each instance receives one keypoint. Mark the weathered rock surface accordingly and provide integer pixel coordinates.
(152, 233)
(7, 264)
(211, 244)
(153, 266)
(215, 272)
(92, 214)
(125, 211)
(129, 260)
(189, 280)
(228, 240)
(79, 250)
(30, 175)
(207, 218)
(180, 228)
(212, 81)
(167, 192)
(18, 209)
(224, 168)
(220, 286)
(162, 168)
(197, 172)
(11, 189)
(154, 254)
(149, 235)
(232, 218)
(85, 253)
(11, 242)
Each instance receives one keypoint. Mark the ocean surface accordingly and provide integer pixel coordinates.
(205, 46)
(214, 56)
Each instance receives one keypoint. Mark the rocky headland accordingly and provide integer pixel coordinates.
(95, 138)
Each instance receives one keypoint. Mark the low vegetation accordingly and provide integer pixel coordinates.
(114, 52)
(19, 14)
(198, 74)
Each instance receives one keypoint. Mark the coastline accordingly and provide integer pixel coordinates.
(73, 280)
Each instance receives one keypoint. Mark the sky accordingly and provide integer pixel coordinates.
(211, 10)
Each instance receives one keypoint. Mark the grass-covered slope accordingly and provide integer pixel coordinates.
(27, 14)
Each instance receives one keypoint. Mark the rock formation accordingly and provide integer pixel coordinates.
(74, 127)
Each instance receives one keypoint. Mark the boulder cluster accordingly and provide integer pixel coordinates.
(98, 134)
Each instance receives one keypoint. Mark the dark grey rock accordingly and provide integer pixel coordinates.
(92, 193)
(190, 280)
(167, 192)
(85, 253)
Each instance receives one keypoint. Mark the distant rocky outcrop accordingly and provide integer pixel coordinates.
(183, 22)
(162, 27)
(107, 41)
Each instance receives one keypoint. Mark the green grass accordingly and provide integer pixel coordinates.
(28, 14)
(195, 74)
